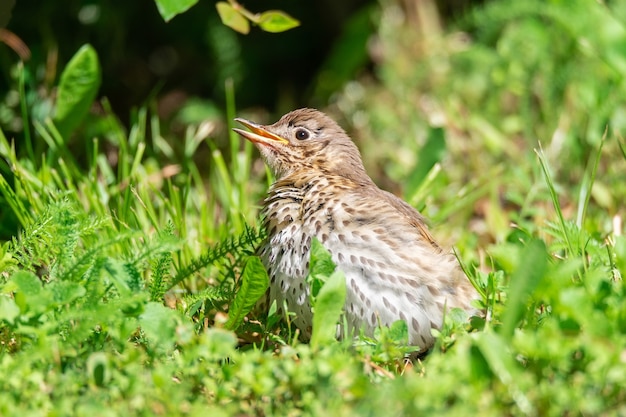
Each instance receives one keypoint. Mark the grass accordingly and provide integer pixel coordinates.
(126, 275)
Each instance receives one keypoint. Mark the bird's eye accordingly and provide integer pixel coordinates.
(302, 134)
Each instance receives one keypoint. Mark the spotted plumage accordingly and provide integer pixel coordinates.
(394, 269)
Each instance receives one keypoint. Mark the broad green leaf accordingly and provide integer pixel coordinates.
(170, 8)
(328, 309)
(27, 283)
(275, 21)
(79, 85)
(217, 344)
(530, 271)
(159, 324)
(321, 266)
(30, 294)
(9, 311)
(232, 18)
(574, 304)
(254, 283)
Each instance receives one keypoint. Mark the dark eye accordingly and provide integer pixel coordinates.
(302, 134)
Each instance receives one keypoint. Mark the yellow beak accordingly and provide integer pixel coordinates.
(258, 133)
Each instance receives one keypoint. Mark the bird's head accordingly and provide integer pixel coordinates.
(305, 139)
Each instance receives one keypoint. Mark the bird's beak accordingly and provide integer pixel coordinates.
(258, 133)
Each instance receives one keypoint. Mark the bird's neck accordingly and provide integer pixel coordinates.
(296, 186)
(293, 197)
(350, 175)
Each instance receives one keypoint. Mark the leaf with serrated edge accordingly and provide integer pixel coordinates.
(254, 283)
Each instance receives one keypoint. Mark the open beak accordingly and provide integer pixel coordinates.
(259, 134)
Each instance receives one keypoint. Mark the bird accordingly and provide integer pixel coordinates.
(394, 269)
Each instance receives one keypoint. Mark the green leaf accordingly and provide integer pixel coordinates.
(64, 292)
(254, 283)
(275, 21)
(170, 8)
(119, 273)
(496, 354)
(98, 368)
(232, 18)
(432, 152)
(79, 85)
(159, 324)
(27, 283)
(217, 344)
(399, 332)
(30, 295)
(328, 309)
(525, 279)
(321, 266)
(9, 311)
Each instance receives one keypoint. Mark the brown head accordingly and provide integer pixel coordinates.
(306, 139)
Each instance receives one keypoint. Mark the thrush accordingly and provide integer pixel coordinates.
(393, 267)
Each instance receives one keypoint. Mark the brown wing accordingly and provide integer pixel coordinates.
(414, 217)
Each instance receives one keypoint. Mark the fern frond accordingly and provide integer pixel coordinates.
(33, 246)
(239, 246)
(212, 295)
(161, 268)
(78, 270)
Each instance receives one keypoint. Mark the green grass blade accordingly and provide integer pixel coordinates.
(14, 202)
(554, 197)
(622, 147)
(430, 155)
(24, 112)
(587, 185)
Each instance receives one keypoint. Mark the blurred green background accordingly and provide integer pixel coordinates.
(190, 56)
(194, 54)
